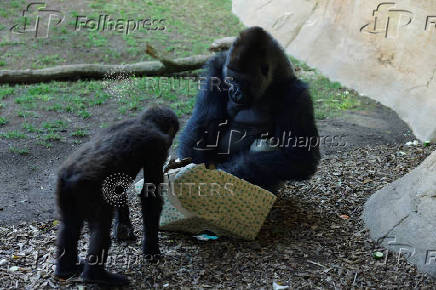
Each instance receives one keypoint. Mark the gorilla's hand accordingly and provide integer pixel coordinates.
(235, 94)
(177, 163)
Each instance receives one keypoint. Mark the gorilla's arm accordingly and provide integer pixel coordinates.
(209, 110)
(191, 134)
(268, 169)
(290, 162)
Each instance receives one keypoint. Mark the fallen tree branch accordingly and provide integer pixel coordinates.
(154, 54)
(73, 72)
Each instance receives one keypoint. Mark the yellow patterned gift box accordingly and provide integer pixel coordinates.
(198, 199)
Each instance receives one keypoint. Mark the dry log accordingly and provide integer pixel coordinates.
(161, 67)
(100, 71)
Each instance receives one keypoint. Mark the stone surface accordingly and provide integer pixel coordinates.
(402, 216)
(396, 66)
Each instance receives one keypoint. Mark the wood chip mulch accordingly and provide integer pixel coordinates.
(314, 238)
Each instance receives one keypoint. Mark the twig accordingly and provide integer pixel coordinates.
(318, 264)
(355, 277)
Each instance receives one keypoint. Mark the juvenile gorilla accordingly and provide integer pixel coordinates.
(125, 148)
(254, 119)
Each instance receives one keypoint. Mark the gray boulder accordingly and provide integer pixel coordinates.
(402, 216)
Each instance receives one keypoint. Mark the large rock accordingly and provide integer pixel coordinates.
(402, 216)
(396, 66)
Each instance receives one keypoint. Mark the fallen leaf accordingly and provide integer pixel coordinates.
(344, 216)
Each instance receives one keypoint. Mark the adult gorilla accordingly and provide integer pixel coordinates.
(254, 119)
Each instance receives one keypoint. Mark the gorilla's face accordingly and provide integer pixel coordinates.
(249, 72)
(248, 86)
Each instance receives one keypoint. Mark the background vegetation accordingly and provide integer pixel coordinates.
(43, 114)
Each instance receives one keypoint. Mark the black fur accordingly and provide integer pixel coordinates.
(126, 147)
(263, 74)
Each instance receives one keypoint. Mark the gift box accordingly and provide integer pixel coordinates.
(198, 199)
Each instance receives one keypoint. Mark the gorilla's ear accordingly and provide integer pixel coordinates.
(264, 69)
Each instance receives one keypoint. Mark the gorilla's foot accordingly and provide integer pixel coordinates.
(150, 249)
(101, 276)
(67, 271)
(123, 232)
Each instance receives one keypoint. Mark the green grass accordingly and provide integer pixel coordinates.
(185, 34)
(84, 114)
(74, 98)
(188, 27)
(96, 40)
(57, 125)
(59, 110)
(80, 133)
(26, 114)
(49, 60)
(18, 150)
(79, 99)
(51, 137)
(23, 100)
(329, 98)
(29, 128)
(40, 89)
(14, 134)
(44, 98)
(3, 121)
(44, 143)
(6, 91)
(300, 65)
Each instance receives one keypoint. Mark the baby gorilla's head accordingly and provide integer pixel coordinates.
(165, 119)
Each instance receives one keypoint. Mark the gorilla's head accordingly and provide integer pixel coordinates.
(254, 62)
(164, 118)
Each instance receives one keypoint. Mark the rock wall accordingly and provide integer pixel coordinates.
(384, 50)
(402, 216)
